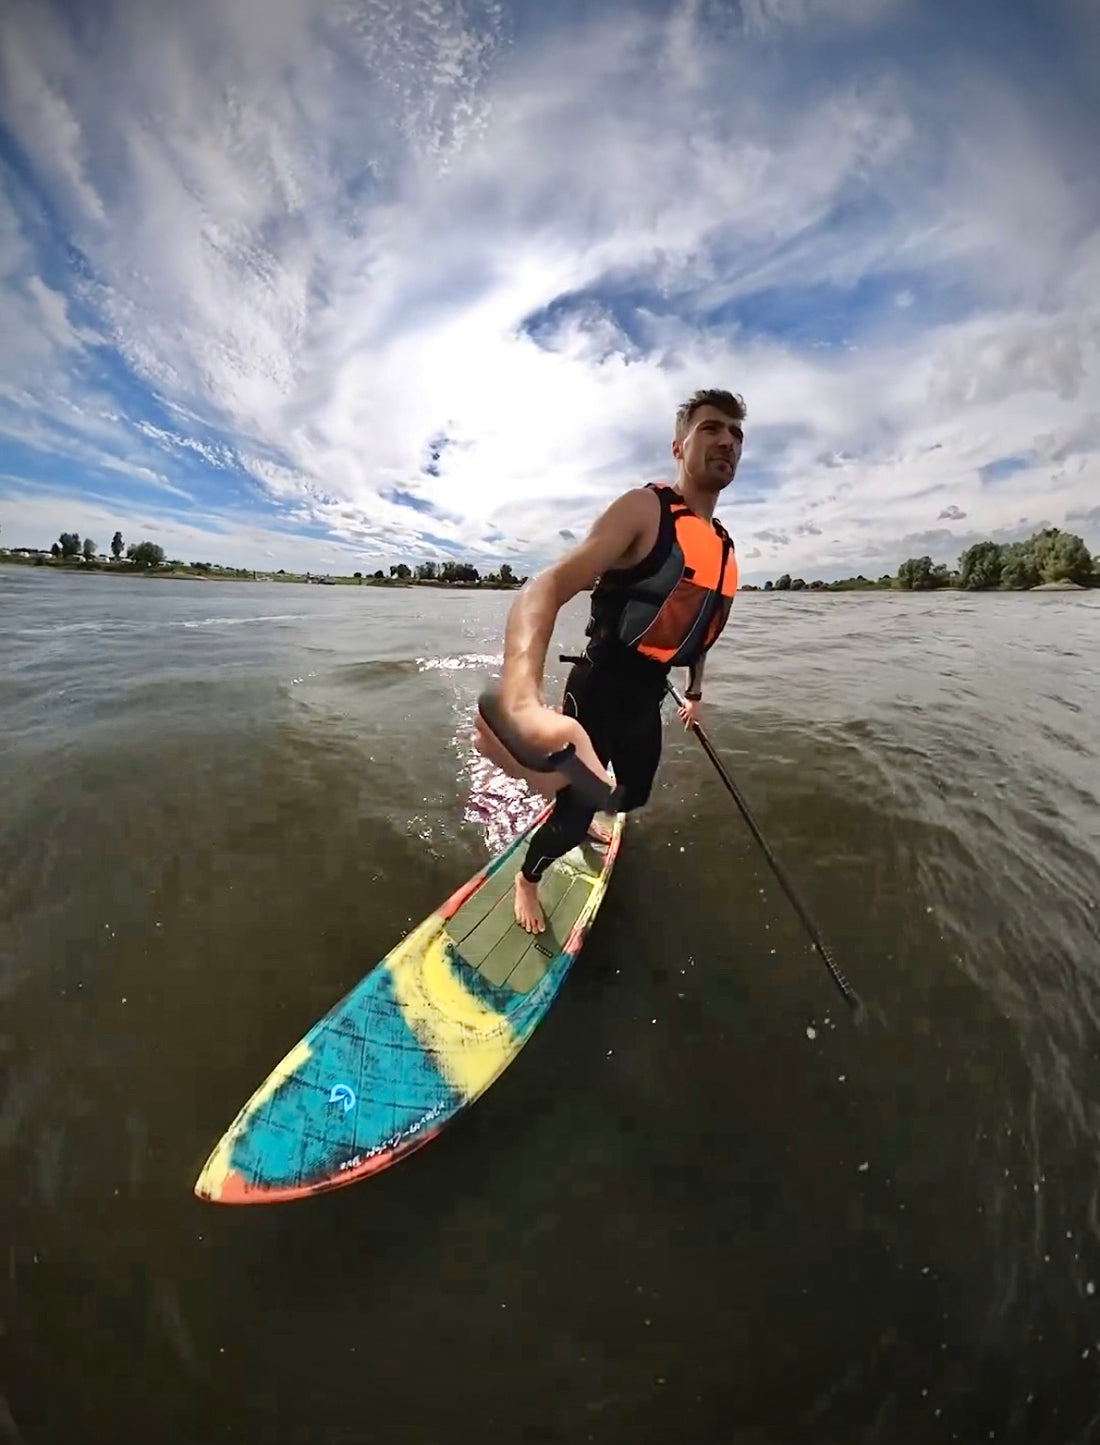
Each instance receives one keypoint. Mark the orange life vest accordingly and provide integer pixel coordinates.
(672, 606)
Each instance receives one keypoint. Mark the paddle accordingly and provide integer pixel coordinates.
(850, 995)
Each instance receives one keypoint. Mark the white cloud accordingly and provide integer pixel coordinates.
(36, 518)
(315, 232)
(767, 16)
(55, 314)
(32, 103)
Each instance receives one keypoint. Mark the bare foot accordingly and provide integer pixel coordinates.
(600, 832)
(529, 914)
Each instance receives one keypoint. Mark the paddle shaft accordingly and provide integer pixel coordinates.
(787, 884)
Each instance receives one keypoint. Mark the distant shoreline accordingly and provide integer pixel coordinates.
(229, 574)
(212, 574)
(984, 567)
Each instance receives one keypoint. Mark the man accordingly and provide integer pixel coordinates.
(664, 575)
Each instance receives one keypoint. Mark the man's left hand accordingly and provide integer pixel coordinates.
(689, 713)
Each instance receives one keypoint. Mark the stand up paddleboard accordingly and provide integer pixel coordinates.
(416, 1041)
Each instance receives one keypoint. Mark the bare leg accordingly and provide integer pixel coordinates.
(528, 909)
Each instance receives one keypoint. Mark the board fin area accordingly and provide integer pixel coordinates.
(417, 1040)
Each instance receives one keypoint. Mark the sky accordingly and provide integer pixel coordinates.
(337, 284)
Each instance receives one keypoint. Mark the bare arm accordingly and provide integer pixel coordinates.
(695, 676)
(611, 540)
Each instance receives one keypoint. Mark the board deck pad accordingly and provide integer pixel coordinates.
(418, 1039)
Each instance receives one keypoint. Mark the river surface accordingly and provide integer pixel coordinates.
(702, 1207)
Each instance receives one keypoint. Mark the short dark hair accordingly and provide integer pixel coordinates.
(726, 401)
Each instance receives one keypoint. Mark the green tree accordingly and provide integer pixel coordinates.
(1018, 566)
(379, 576)
(458, 572)
(768, 585)
(783, 584)
(145, 554)
(70, 544)
(980, 566)
(798, 585)
(427, 572)
(358, 577)
(915, 574)
(89, 549)
(116, 546)
(55, 550)
(507, 576)
(1061, 556)
(401, 571)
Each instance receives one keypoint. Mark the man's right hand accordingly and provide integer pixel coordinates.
(544, 731)
(621, 535)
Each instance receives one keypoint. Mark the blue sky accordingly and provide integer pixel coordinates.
(290, 284)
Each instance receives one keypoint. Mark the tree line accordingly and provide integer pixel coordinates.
(453, 572)
(70, 547)
(143, 554)
(1050, 555)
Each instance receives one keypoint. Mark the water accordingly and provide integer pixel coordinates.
(701, 1207)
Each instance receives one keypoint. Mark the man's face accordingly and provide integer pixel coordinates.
(711, 449)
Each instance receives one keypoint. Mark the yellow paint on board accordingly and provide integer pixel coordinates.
(210, 1181)
(470, 1042)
